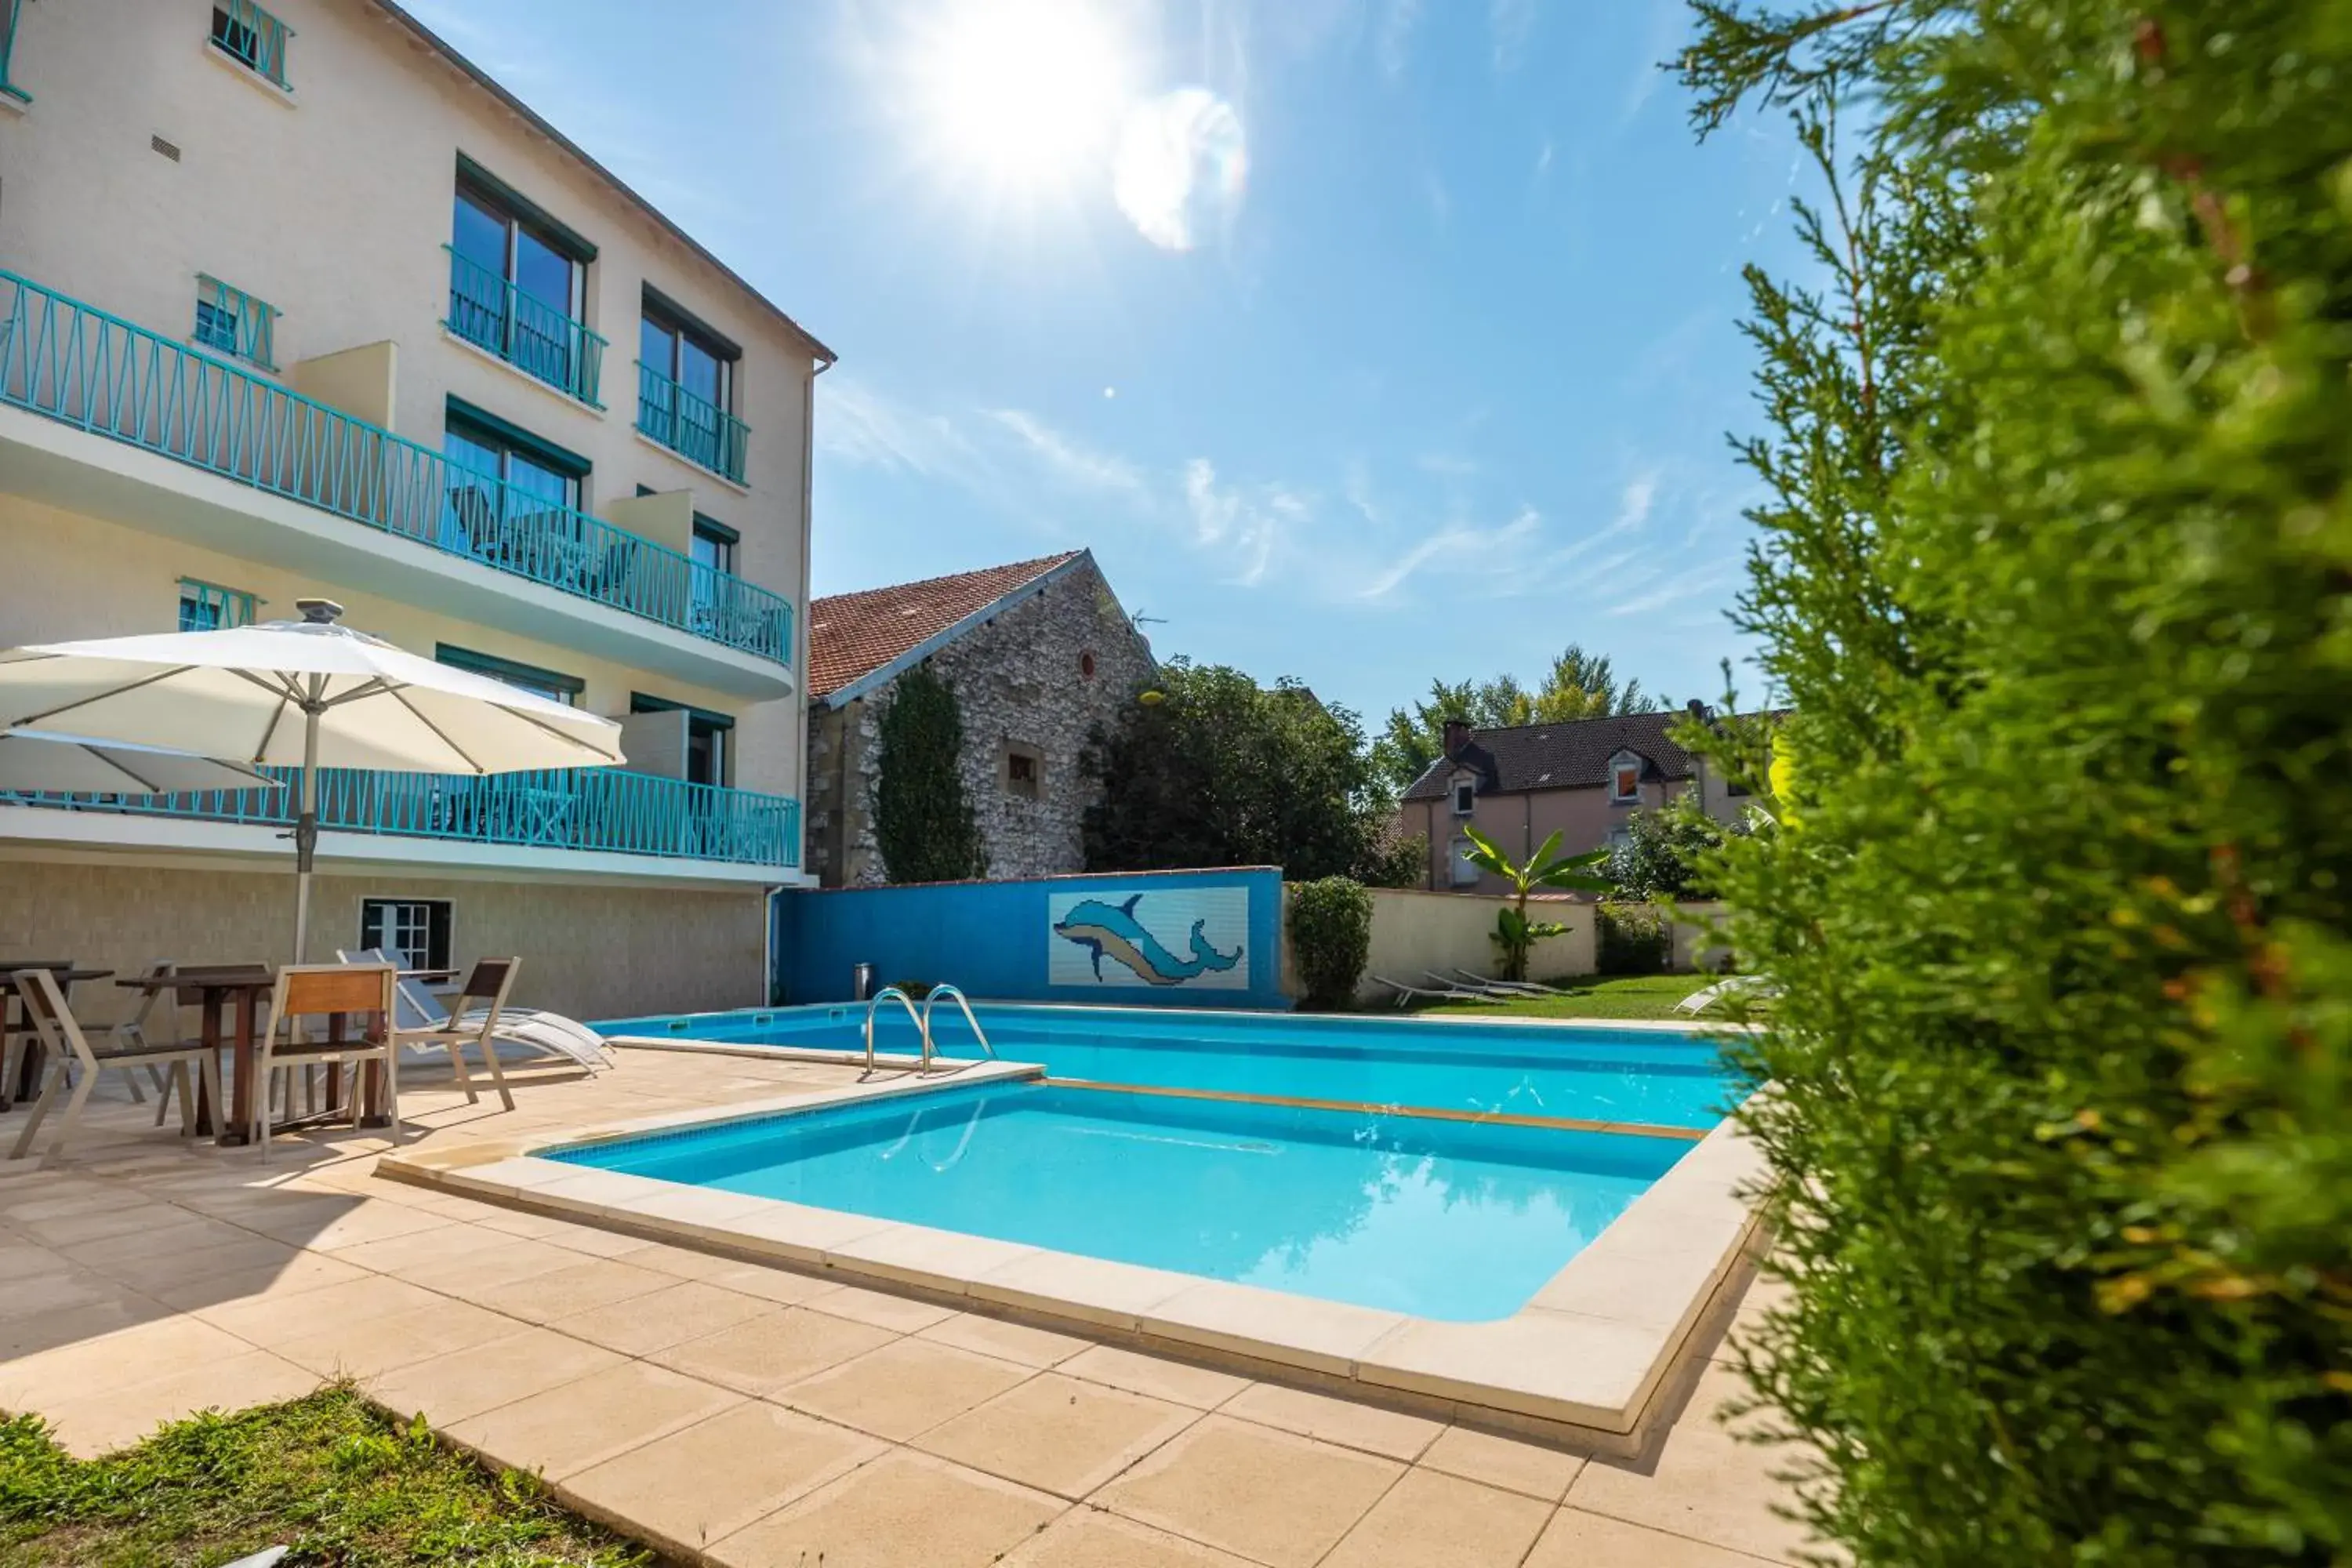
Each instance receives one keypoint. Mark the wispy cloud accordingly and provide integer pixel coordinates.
(1460, 546)
(1245, 526)
(1634, 503)
(1658, 42)
(862, 426)
(1392, 39)
(1543, 159)
(1509, 25)
(1066, 459)
(1676, 590)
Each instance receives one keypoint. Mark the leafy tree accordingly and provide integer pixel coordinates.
(1330, 925)
(1666, 852)
(922, 820)
(1212, 769)
(2055, 554)
(1514, 935)
(1579, 685)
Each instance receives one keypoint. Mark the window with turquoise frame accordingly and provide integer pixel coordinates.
(517, 285)
(209, 607)
(553, 685)
(252, 38)
(512, 494)
(232, 321)
(709, 738)
(8, 10)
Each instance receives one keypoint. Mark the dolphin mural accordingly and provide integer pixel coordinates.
(1102, 928)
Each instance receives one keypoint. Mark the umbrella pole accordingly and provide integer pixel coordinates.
(306, 831)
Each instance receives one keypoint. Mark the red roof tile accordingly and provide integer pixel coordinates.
(853, 635)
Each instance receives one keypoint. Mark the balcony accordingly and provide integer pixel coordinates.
(695, 428)
(499, 318)
(593, 810)
(93, 371)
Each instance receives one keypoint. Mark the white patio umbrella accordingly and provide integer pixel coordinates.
(305, 693)
(32, 760)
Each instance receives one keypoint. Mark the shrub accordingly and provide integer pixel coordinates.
(923, 822)
(1330, 938)
(1631, 939)
(1668, 852)
(2055, 570)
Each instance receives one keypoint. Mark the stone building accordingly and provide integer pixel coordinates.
(1039, 653)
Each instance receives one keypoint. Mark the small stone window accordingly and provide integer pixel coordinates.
(1086, 665)
(1024, 772)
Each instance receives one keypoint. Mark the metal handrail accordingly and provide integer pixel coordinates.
(885, 995)
(962, 1001)
(498, 315)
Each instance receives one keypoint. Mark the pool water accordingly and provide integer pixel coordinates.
(1456, 1220)
(1659, 1077)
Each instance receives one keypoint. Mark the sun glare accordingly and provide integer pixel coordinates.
(1027, 92)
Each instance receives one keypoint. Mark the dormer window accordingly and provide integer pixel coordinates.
(1625, 777)
(1465, 796)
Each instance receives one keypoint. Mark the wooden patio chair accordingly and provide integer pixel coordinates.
(44, 1007)
(310, 990)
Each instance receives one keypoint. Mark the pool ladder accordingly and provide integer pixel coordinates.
(922, 1020)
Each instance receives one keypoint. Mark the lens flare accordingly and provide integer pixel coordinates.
(1182, 164)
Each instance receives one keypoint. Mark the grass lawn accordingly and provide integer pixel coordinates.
(329, 1476)
(1615, 996)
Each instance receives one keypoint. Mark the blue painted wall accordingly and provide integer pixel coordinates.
(997, 940)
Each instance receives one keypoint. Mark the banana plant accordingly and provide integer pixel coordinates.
(1514, 935)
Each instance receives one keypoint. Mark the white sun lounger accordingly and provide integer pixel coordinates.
(543, 1033)
(1723, 990)
(1506, 988)
(1450, 993)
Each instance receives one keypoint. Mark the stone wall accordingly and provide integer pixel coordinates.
(1022, 683)
(588, 950)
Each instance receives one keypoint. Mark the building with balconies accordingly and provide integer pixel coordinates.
(295, 300)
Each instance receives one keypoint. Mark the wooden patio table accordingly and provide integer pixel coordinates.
(211, 987)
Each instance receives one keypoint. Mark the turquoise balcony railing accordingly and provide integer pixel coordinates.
(95, 371)
(8, 10)
(253, 38)
(689, 425)
(491, 314)
(601, 809)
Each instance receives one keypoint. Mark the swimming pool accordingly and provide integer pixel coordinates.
(1652, 1077)
(1445, 1220)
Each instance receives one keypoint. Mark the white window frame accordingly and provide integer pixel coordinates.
(1617, 766)
(399, 954)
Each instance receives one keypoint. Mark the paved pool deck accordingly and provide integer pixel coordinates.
(743, 1415)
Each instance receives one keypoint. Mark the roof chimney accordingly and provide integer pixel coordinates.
(1457, 735)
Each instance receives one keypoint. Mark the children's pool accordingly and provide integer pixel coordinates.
(1652, 1077)
(1444, 1219)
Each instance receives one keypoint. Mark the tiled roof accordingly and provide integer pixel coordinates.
(1561, 756)
(853, 635)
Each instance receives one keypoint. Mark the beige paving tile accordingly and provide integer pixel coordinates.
(474, 1275)
(567, 1429)
(31, 1335)
(1511, 1463)
(181, 1233)
(786, 1286)
(123, 1413)
(583, 1286)
(1277, 1498)
(906, 1388)
(762, 1355)
(84, 1227)
(1006, 1342)
(904, 1511)
(301, 1271)
(448, 1388)
(381, 1344)
(681, 1310)
(137, 1354)
(1580, 1540)
(361, 1223)
(678, 1262)
(1094, 1290)
(1328, 1336)
(170, 1270)
(268, 1319)
(1342, 1421)
(1161, 1377)
(1428, 1518)
(1706, 1484)
(707, 1482)
(904, 1314)
(1089, 1538)
(1058, 1433)
(398, 1254)
(1557, 1365)
(53, 1291)
(23, 1260)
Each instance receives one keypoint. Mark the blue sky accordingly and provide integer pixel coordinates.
(1364, 340)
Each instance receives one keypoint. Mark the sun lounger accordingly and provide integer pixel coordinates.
(1751, 985)
(1510, 987)
(1450, 993)
(533, 1029)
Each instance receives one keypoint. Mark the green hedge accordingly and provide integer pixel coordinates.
(2055, 572)
(1331, 923)
(1631, 939)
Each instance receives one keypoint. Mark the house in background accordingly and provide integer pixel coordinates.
(1039, 653)
(353, 322)
(1516, 785)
